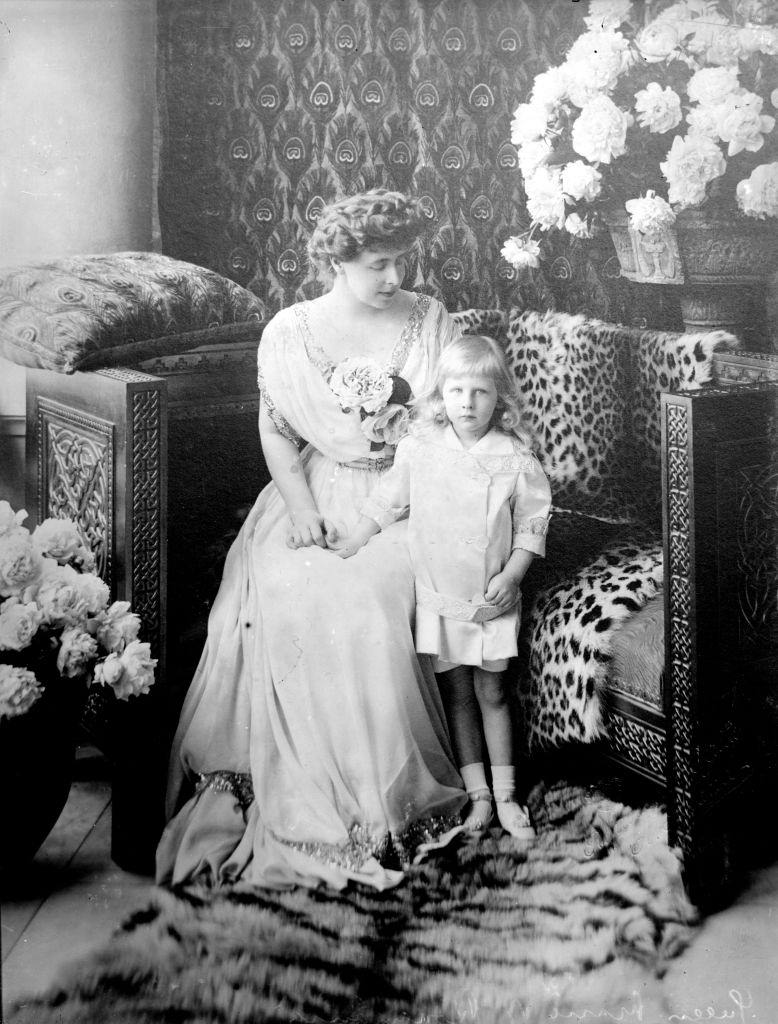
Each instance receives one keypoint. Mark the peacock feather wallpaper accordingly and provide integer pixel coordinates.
(272, 109)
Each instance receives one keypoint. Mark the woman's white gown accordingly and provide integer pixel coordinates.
(313, 733)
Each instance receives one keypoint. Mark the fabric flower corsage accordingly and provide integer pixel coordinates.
(380, 398)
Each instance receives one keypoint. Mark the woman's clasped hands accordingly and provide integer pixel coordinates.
(308, 527)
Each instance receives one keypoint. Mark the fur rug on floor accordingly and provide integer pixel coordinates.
(579, 925)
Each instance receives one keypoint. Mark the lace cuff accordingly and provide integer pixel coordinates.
(530, 534)
(382, 512)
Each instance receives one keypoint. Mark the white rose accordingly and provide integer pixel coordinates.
(658, 41)
(658, 109)
(20, 563)
(774, 98)
(361, 384)
(742, 123)
(712, 85)
(549, 89)
(704, 121)
(129, 673)
(19, 689)
(716, 41)
(649, 213)
(607, 14)
(60, 597)
(116, 627)
(577, 226)
(94, 591)
(521, 253)
(600, 130)
(545, 198)
(692, 162)
(77, 650)
(593, 65)
(10, 521)
(387, 426)
(138, 669)
(533, 155)
(109, 671)
(530, 121)
(581, 180)
(18, 625)
(757, 195)
(57, 538)
(759, 39)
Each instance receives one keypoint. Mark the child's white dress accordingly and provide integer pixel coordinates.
(469, 508)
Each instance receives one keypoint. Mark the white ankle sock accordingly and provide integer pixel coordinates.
(503, 781)
(474, 777)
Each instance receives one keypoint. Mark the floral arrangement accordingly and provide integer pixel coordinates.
(380, 398)
(55, 618)
(658, 107)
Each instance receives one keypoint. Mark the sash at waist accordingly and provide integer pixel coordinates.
(454, 607)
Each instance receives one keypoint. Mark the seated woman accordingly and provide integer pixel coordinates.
(312, 734)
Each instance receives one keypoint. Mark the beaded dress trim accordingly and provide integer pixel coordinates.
(362, 844)
(281, 424)
(237, 784)
(410, 333)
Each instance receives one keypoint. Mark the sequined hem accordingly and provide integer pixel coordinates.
(279, 422)
(362, 844)
(237, 784)
(388, 848)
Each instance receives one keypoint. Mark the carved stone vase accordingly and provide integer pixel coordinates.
(719, 262)
(37, 755)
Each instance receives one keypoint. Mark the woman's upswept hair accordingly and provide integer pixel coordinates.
(369, 220)
(477, 355)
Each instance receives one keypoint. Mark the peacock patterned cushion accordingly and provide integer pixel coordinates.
(85, 312)
(591, 392)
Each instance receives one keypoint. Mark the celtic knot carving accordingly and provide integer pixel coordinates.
(679, 641)
(637, 744)
(75, 475)
(757, 555)
(146, 511)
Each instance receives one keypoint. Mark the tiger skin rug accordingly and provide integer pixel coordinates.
(578, 925)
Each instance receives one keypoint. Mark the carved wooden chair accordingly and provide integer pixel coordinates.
(672, 678)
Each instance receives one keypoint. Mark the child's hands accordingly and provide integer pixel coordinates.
(359, 536)
(307, 527)
(503, 591)
(349, 546)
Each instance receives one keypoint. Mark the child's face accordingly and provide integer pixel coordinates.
(469, 403)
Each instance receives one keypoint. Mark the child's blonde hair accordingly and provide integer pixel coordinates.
(477, 355)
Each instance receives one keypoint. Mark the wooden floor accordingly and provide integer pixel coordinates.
(73, 897)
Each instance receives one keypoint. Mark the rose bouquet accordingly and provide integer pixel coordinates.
(56, 620)
(380, 398)
(658, 108)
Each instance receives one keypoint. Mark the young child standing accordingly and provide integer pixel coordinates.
(478, 504)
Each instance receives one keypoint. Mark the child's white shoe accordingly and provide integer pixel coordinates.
(515, 819)
(479, 813)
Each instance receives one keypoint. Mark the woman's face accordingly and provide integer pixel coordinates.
(374, 276)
